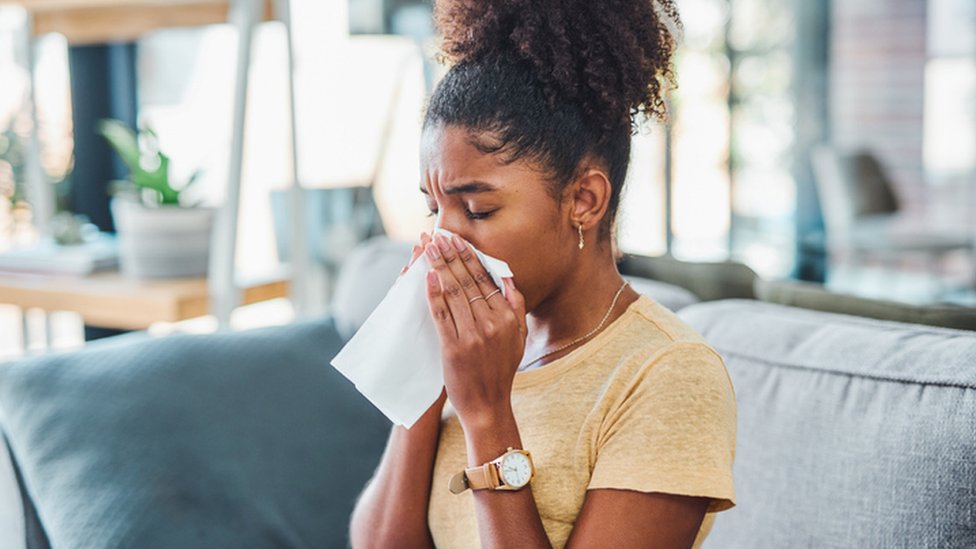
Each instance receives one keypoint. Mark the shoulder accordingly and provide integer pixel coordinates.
(654, 316)
(672, 356)
(656, 338)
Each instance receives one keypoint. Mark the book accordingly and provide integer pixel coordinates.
(48, 257)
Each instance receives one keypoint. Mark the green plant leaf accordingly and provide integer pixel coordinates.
(126, 144)
(121, 138)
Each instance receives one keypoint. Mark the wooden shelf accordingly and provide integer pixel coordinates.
(104, 21)
(112, 300)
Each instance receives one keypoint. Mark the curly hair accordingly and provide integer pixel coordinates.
(555, 80)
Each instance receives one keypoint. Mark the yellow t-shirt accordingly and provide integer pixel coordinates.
(645, 405)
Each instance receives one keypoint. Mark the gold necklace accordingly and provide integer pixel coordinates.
(584, 337)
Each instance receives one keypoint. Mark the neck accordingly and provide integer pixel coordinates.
(576, 306)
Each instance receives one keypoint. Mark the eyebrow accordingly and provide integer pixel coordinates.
(471, 187)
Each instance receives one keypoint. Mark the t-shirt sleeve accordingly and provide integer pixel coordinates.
(674, 430)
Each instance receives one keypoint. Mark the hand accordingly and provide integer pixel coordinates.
(417, 250)
(482, 340)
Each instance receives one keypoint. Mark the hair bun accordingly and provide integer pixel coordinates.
(611, 57)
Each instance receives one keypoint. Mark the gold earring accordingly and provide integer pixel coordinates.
(580, 228)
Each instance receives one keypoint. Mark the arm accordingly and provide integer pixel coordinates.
(643, 465)
(625, 518)
(482, 342)
(392, 510)
(505, 519)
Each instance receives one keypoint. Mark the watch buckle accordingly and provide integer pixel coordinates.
(458, 483)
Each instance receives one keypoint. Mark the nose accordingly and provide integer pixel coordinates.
(443, 223)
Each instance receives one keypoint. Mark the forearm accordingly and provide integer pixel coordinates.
(392, 511)
(505, 518)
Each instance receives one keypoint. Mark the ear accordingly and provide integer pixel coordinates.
(590, 198)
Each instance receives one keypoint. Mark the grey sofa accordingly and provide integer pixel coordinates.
(852, 432)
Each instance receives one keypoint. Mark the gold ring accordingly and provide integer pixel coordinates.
(497, 291)
(473, 299)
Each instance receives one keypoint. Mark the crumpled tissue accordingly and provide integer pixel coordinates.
(394, 359)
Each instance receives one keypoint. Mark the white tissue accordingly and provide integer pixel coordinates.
(395, 358)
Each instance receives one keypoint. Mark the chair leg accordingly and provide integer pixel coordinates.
(24, 330)
(225, 295)
(48, 331)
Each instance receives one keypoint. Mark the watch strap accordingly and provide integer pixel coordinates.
(483, 477)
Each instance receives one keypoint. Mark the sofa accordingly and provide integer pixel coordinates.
(853, 431)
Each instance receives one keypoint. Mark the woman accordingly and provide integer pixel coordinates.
(628, 416)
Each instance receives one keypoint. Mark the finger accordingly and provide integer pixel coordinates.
(451, 290)
(471, 290)
(438, 308)
(486, 286)
(517, 302)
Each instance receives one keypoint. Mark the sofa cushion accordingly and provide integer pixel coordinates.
(242, 439)
(364, 279)
(808, 295)
(852, 432)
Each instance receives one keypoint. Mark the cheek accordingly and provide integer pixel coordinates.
(535, 254)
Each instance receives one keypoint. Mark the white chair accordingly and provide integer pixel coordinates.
(862, 215)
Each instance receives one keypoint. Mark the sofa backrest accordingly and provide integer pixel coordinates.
(851, 432)
(707, 280)
(809, 295)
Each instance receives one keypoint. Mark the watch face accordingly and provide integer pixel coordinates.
(516, 470)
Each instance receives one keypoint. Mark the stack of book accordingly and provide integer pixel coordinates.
(48, 257)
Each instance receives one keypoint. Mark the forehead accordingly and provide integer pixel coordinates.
(454, 147)
(449, 155)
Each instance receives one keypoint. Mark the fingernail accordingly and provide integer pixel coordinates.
(443, 243)
(432, 279)
(433, 252)
(458, 243)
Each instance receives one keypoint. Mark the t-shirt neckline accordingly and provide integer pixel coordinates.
(558, 366)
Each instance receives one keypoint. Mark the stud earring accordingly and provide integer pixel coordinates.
(580, 228)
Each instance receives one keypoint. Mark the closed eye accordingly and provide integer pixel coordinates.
(474, 216)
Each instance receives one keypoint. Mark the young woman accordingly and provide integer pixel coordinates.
(627, 416)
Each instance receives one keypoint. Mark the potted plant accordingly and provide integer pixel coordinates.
(160, 236)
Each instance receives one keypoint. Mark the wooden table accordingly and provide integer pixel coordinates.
(111, 300)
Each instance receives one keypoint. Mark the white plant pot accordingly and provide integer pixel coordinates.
(164, 241)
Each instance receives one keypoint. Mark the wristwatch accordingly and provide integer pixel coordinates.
(511, 471)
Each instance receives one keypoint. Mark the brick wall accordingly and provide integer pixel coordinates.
(877, 56)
